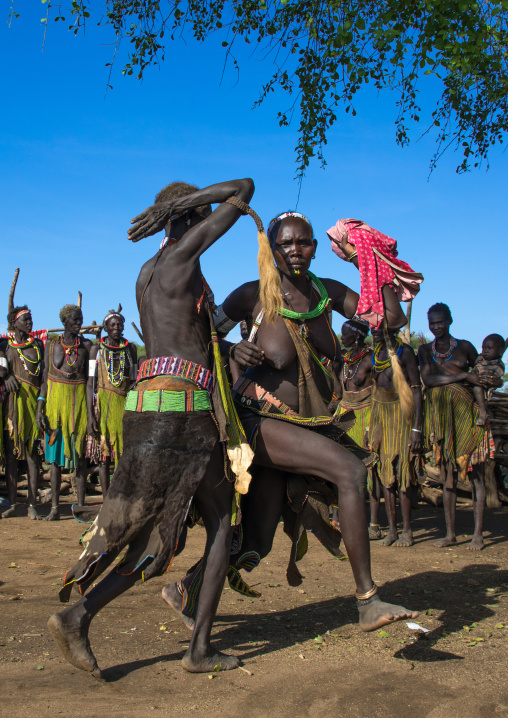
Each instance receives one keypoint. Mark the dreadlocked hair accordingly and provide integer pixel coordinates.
(11, 317)
(175, 190)
(407, 402)
(270, 288)
(67, 310)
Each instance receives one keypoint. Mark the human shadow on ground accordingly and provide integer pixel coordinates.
(464, 596)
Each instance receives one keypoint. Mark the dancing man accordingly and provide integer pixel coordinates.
(172, 425)
(63, 394)
(25, 357)
(460, 443)
(111, 371)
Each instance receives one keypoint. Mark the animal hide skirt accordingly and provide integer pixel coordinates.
(165, 457)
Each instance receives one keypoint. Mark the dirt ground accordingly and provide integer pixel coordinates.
(303, 651)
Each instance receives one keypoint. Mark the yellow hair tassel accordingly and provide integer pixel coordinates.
(407, 402)
(270, 288)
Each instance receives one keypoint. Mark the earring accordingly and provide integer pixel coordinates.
(313, 256)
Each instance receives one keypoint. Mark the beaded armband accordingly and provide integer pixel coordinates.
(222, 322)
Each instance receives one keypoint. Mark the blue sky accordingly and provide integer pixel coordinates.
(77, 164)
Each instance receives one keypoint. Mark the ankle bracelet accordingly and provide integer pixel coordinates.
(368, 594)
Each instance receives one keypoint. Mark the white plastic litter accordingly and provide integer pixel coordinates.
(416, 627)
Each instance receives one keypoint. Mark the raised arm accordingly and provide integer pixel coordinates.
(198, 238)
(347, 302)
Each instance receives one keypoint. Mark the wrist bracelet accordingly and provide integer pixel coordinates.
(231, 350)
(41, 398)
(352, 256)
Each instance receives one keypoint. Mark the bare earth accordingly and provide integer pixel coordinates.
(303, 651)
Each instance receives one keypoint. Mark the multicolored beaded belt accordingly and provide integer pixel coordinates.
(168, 400)
(174, 366)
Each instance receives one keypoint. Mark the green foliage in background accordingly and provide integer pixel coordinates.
(321, 53)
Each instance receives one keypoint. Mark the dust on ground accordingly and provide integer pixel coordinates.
(302, 648)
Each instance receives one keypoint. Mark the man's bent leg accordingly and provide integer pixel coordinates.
(70, 627)
(213, 499)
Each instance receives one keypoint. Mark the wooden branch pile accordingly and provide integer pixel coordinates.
(497, 407)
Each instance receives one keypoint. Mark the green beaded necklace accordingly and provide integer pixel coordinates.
(317, 311)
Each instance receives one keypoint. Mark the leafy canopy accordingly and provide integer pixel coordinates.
(323, 52)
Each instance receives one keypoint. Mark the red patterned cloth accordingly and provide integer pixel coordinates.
(379, 266)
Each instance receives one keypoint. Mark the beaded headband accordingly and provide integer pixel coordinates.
(23, 311)
(113, 314)
(358, 325)
(277, 220)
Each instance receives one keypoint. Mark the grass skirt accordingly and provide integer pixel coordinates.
(66, 409)
(20, 418)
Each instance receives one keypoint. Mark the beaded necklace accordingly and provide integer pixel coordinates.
(68, 349)
(317, 311)
(311, 314)
(113, 353)
(24, 359)
(380, 366)
(442, 358)
(347, 372)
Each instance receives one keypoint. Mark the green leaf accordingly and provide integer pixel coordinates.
(383, 634)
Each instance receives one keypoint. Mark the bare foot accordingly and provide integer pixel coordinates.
(482, 418)
(173, 598)
(54, 515)
(447, 541)
(406, 539)
(374, 532)
(207, 664)
(376, 613)
(70, 631)
(389, 539)
(9, 513)
(32, 514)
(476, 544)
